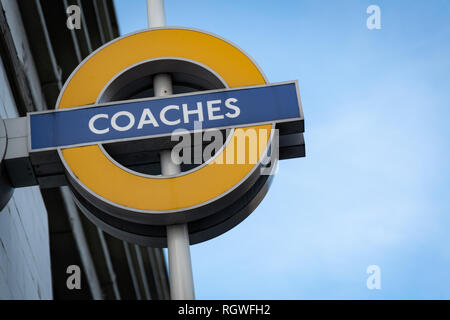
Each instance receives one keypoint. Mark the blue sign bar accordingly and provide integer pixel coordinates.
(152, 117)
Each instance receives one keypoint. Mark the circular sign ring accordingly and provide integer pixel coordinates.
(98, 175)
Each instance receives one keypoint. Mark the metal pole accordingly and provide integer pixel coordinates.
(83, 248)
(141, 267)
(134, 280)
(180, 267)
(109, 264)
(155, 13)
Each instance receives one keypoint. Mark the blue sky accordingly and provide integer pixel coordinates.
(374, 187)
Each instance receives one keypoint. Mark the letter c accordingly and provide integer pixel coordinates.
(93, 119)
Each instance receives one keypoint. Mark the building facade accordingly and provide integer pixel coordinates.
(42, 232)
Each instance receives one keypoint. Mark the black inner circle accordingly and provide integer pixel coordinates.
(143, 155)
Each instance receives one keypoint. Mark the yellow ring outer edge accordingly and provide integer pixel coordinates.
(98, 174)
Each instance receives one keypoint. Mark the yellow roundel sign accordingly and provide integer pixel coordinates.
(126, 202)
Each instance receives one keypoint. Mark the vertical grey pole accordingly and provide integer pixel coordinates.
(155, 13)
(83, 248)
(180, 267)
